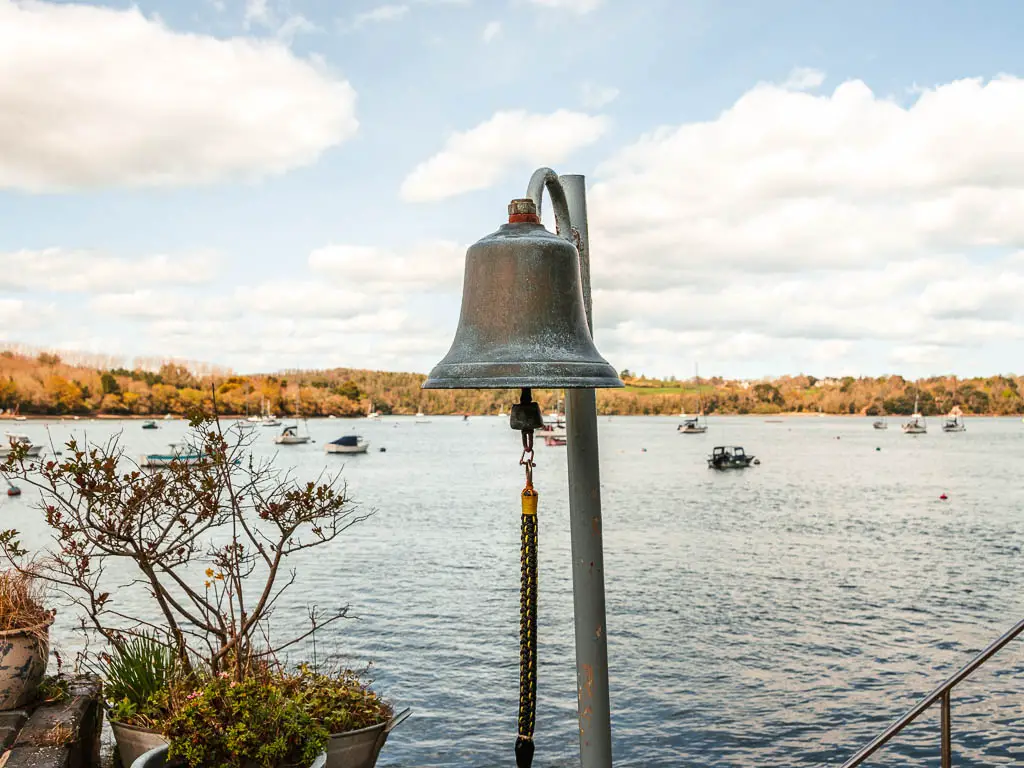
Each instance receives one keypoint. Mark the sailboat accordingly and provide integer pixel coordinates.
(421, 418)
(371, 413)
(955, 420)
(267, 419)
(883, 422)
(290, 435)
(693, 425)
(554, 430)
(916, 425)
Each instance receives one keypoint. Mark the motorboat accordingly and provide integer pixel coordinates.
(730, 457)
(179, 452)
(881, 423)
(692, 426)
(22, 441)
(954, 423)
(290, 436)
(347, 444)
(150, 425)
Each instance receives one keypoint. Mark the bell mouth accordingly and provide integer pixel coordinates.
(535, 375)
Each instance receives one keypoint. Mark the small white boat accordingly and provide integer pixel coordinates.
(32, 450)
(179, 452)
(421, 418)
(917, 424)
(693, 425)
(167, 417)
(347, 444)
(291, 436)
(954, 421)
(554, 431)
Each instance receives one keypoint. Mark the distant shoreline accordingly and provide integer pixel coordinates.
(228, 417)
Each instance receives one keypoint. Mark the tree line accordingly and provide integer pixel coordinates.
(46, 384)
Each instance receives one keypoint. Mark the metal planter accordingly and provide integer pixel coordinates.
(359, 749)
(157, 758)
(133, 742)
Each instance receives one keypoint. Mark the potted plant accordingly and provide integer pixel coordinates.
(138, 674)
(356, 718)
(209, 540)
(24, 638)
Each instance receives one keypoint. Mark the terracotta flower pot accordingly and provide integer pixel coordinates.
(133, 741)
(23, 657)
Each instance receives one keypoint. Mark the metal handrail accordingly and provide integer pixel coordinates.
(942, 693)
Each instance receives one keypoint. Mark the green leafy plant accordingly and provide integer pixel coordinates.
(340, 702)
(230, 724)
(139, 675)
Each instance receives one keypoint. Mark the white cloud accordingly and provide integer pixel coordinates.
(576, 6)
(257, 12)
(803, 79)
(491, 31)
(480, 157)
(595, 96)
(85, 110)
(379, 14)
(64, 270)
(427, 266)
(816, 225)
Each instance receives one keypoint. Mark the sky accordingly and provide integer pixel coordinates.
(773, 187)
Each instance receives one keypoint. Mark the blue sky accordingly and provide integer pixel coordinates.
(775, 186)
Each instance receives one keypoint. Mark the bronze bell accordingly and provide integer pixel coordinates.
(523, 322)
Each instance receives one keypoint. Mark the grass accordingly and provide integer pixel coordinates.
(21, 602)
(660, 390)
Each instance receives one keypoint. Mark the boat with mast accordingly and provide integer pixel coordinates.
(955, 420)
(554, 430)
(916, 425)
(290, 434)
(696, 425)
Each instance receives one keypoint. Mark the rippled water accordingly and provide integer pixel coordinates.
(776, 616)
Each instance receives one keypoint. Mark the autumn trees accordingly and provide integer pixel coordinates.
(45, 384)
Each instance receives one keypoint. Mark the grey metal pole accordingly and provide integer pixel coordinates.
(585, 528)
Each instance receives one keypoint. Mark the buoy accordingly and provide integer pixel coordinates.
(943, 497)
(643, 450)
(383, 450)
(13, 490)
(878, 448)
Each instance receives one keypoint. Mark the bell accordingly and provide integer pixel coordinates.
(523, 323)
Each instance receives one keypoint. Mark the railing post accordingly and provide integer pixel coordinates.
(947, 747)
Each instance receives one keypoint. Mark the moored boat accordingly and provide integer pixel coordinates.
(347, 444)
(149, 425)
(179, 452)
(31, 450)
(730, 457)
(291, 436)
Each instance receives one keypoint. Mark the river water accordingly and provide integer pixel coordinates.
(780, 615)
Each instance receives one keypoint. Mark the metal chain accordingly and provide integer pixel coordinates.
(527, 611)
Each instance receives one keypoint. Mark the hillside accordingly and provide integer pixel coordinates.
(47, 385)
